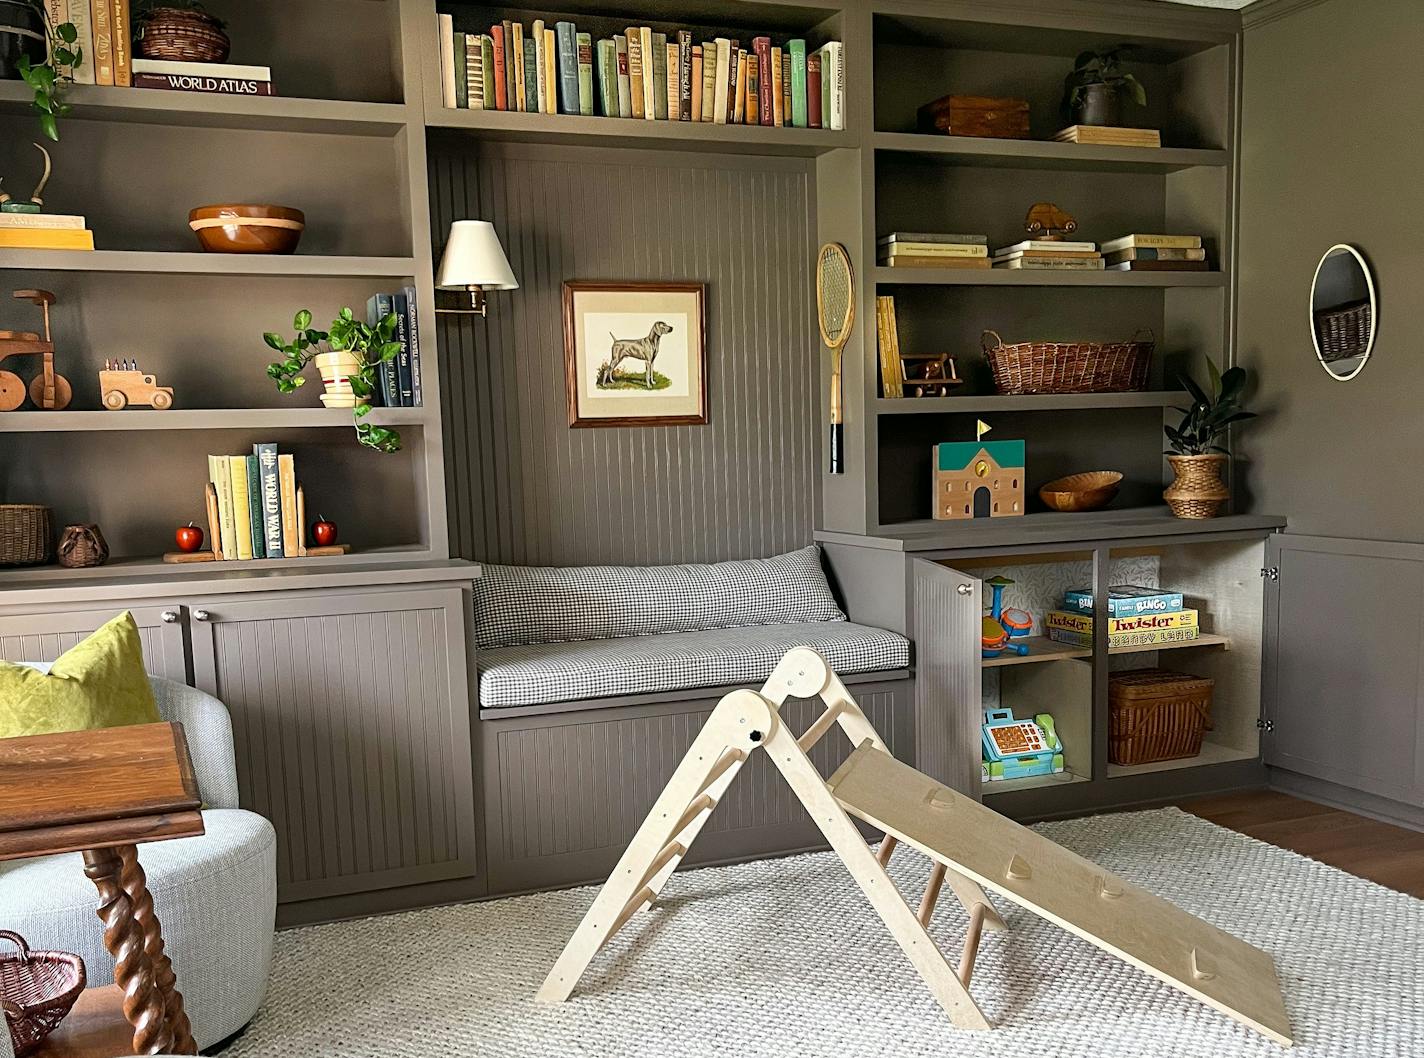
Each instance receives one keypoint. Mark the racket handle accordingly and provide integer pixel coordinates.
(837, 448)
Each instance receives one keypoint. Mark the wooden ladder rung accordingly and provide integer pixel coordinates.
(887, 849)
(730, 759)
(669, 854)
(824, 723)
(703, 803)
(931, 897)
(971, 942)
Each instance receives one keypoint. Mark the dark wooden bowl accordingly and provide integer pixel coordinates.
(1081, 492)
(247, 228)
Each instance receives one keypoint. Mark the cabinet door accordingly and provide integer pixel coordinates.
(1343, 675)
(351, 722)
(45, 636)
(945, 614)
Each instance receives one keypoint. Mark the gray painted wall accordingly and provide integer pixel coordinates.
(1331, 154)
(526, 488)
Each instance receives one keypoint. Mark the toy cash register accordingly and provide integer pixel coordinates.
(1014, 749)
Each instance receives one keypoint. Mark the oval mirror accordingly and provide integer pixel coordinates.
(1342, 312)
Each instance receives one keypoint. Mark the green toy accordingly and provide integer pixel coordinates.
(1015, 749)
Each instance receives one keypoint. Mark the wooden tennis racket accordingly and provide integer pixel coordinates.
(835, 310)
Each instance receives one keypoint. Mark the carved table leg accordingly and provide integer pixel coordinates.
(124, 938)
(135, 884)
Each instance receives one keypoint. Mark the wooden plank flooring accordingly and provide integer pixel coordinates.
(1381, 852)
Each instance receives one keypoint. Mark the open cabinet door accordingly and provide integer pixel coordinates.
(1343, 693)
(946, 608)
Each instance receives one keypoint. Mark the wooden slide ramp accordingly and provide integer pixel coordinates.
(1152, 934)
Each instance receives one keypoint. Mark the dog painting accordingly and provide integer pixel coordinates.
(635, 354)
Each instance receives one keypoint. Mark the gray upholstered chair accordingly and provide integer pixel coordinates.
(216, 895)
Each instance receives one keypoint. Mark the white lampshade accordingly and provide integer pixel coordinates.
(474, 258)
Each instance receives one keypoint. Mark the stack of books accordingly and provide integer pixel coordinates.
(256, 508)
(920, 249)
(1110, 137)
(105, 29)
(1137, 617)
(215, 78)
(1049, 254)
(44, 231)
(400, 378)
(552, 68)
(1156, 253)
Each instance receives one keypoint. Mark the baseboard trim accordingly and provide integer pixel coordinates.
(1336, 796)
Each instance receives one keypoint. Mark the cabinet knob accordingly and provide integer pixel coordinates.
(965, 589)
(169, 617)
(201, 615)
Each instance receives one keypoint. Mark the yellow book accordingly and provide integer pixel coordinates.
(551, 73)
(241, 506)
(293, 532)
(221, 478)
(45, 239)
(520, 88)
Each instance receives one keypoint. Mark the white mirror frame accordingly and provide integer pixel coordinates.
(1374, 310)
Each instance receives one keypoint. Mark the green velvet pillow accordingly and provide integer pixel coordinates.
(100, 682)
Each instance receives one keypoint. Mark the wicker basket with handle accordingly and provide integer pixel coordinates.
(37, 990)
(26, 530)
(1069, 367)
(1157, 715)
(180, 35)
(1345, 331)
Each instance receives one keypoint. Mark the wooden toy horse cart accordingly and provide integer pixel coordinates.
(49, 391)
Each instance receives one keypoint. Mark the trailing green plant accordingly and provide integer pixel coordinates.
(1102, 67)
(373, 346)
(1213, 410)
(49, 79)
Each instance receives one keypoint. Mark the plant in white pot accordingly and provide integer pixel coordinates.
(349, 357)
(1196, 459)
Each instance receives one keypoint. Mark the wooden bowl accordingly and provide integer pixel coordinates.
(1081, 492)
(247, 229)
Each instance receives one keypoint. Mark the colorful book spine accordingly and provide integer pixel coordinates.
(813, 90)
(719, 81)
(709, 79)
(635, 71)
(625, 77)
(474, 71)
(541, 88)
(786, 88)
(732, 66)
(45, 239)
(607, 51)
(583, 51)
(512, 69)
(122, 34)
(832, 85)
(489, 91)
(501, 90)
(1147, 622)
(674, 91)
(103, 54)
(254, 507)
(531, 77)
(293, 532)
(650, 79)
(270, 491)
(80, 13)
(220, 476)
(796, 49)
(515, 37)
(684, 75)
(1126, 601)
(411, 297)
(241, 506)
(659, 83)
(778, 115)
(696, 86)
(378, 307)
(739, 91)
(459, 55)
(551, 72)
(1158, 242)
(761, 47)
(753, 90)
(406, 381)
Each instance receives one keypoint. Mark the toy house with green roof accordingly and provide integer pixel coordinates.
(978, 479)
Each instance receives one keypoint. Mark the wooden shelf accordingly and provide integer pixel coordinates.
(1211, 753)
(1048, 154)
(202, 419)
(987, 403)
(143, 106)
(1013, 277)
(573, 130)
(180, 262)
(1041, 648)
(1031, 782)
(131, 568)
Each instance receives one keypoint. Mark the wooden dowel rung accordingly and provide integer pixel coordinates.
(673, 850)
(817, 731)
(931, 897)
(729, 760)
(704, 803)
(641, 899)
(971, 943)
(887, 849)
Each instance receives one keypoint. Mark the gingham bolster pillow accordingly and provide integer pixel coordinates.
(515, 605)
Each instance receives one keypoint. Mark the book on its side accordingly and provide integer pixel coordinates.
(625, 77)
(204, 69)
(684, 75)
(1161, 242)
(1042, 263)
(551, 72)
(241, 506)
(607, 52)
(293, 532)
(403, 368)
(796, 50)
(696, 85)
(934, 249)
(657, 46)
(635, 70)
(461, 55)
(271, 498)
(79, 13)
(1153, 253)
(45, 239)
(122, 36)
(501, 72)
(650, 73)
(583, 54)
(719, 81)
(221, 478)
(489, 91)
(709, 80)
(1160, 266)
(103, 55)
(47, 221)
(761, 47)
(778, 114)
(813, 90)
(412, 330)
(931, 236)
(446, 28)
(1055, 255)
(1046, 246)
(674, 82)
(228, 86)
(906, 261)
(739, 92)
(566, 35)
(254, 507)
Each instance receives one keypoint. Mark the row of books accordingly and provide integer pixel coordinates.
(1137, 617)
(1136, 252)
(642, 74)
(400, 378)
(1156, 253)
(44, 231)
(256, 507)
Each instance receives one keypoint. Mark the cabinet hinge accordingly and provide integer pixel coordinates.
(1271, 572)
(1265, 725)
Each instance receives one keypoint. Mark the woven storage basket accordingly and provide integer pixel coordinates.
(37, 990)
(26, 530)
(1345, 331)
(181, 36)
(1069, 367)
(1157, 715)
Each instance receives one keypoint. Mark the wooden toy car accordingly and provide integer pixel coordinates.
(127, 385)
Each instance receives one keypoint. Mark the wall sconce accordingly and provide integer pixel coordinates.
(474, 262)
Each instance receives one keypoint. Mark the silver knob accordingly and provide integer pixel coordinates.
(201, 615)
(965, 589)
(170, 617)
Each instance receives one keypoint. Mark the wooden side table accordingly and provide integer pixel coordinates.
(102, 793)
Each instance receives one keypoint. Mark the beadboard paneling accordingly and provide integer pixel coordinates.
(946, 629)
(44, 637)
(523, 486)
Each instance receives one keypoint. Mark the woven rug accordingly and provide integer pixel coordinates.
(784, 958)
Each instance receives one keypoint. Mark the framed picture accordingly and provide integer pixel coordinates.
(635, 354)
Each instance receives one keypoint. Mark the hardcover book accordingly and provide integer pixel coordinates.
(229, 86)
(930, 236)
(796, 51)
(719, 81)
(531, 78)
(1044, 263)
(635, 70)
(1046, 246)
(474, 72)
(733, 64)
(36, 238)
(1171, 242)
(403, 367)
(378, 307)
(511, 68)
(254, 507)
(1153, 253)
(58, 221)
(753, 90)
(271, 495)
(220, 476)
(541, 86)
(696, 85)
(567, 44)
(761, 47)
(412, 327)
(674, 83)
(658, 86)
(739, 91)
(446, 25)
(103, 54)
(650, 79)
(583, 48)
(514, 36)
(917, 261)
(501, 71)
(935, 249)
(80, 13)
(293, 533)
(551, 72)
(786, 106)
(684, 76)
(490, 89)
(122, 35)
(460, 55)
(607, 53)
(709, 80)
(241, 506)
(778, 114)
(1126, 600)
(813, 90)
(1160, 266)
(625, 77)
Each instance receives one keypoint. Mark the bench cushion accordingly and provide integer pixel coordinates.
(550, 604)
(535, 674)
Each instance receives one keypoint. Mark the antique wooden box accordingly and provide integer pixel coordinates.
(955, 115)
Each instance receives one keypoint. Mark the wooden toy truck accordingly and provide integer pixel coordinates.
(120, 388)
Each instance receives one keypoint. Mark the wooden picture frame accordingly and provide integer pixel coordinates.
(608, 325)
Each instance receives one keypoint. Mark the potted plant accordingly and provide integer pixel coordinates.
(1092, 93)
(349, 357)
(48, 65)
(1197, 460)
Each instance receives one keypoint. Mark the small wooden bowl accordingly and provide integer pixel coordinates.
(1081, 492)
(248, 229)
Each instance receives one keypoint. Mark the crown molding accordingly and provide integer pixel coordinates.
(1264, 12)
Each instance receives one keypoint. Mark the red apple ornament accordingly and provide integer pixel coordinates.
(323, 532)
(189, 538)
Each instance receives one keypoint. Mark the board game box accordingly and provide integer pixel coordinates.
(1125, 600)
(1152, 622)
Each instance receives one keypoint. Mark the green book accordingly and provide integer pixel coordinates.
(462, 83)
(531, 78)
(584, 48)
(254, 507)
(608, 78)
(487, 70)
(797, 54)
(656, 66)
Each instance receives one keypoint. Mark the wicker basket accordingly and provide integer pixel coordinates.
(1069, 367)
(37, 990)
(179, 35)
(26, 530)
(1157, 715)
(82, 546)
(1344, 332)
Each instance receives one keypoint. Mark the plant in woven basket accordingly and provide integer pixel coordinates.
(49, 79)
(349, 357)
(1212, 412)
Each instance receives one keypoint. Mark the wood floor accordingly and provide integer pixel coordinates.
(1389, 855)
